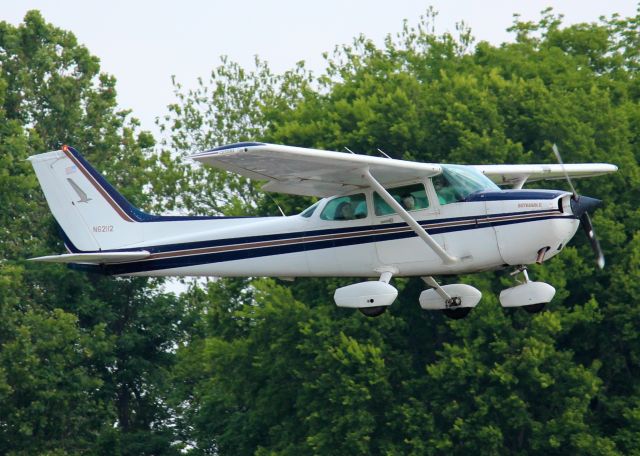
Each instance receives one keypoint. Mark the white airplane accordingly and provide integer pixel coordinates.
(378, 218)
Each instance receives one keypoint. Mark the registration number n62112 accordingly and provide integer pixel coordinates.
(102, 228)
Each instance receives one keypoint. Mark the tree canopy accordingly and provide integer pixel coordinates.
(97, 365)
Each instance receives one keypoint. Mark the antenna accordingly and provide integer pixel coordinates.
(382, 152)
(349, 150)
(276, 203)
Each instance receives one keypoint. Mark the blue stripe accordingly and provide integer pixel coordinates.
(67, 242)
(510, 195)
(257, 252)
(482, 219)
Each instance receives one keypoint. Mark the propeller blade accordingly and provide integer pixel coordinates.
(580, 205)
(585, 221)
(566, 175)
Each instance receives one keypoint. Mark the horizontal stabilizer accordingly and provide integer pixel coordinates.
(94, 257)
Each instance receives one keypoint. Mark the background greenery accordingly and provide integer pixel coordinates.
(97, 365)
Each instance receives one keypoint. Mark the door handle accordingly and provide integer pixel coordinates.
(389, 220)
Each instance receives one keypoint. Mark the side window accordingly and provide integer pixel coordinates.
(348, 207)
(447, 193)
(411, 197)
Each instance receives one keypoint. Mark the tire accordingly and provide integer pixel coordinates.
(375, 311)
(457, 314)
(535, 308)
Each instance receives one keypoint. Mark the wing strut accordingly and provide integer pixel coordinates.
(408, 219)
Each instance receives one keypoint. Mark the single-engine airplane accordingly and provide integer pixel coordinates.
(378, 218)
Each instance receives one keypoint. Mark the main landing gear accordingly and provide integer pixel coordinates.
(370, 298)
(531, 296)
(455, 301)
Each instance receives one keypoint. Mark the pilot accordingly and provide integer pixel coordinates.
(443, 190)
(408, 202)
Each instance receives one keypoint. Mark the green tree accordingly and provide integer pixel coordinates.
(83, 359)
(409, 383)
(91, 364)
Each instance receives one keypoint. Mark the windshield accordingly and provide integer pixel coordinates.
(308, 212)
(458, 181)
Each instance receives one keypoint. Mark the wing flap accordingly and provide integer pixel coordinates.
(94, 257)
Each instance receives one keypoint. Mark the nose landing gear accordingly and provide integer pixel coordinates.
(532, 296)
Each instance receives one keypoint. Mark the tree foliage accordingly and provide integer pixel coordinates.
(309, 378)
(84, 360)
(99, 365)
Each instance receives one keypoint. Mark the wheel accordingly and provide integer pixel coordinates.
(457, 314)
(375, 311)
(534, 308)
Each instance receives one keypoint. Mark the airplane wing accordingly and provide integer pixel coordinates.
(512, 174)
(310, 172)
(314, 172)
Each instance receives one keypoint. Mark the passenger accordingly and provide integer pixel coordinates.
(344, 211)
(408, 202)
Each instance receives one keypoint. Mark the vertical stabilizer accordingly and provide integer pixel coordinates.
(92, 214)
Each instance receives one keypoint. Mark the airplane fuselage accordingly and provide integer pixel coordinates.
(487, 231)
(387, 218)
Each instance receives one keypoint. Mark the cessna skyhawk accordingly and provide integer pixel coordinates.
(378, 218)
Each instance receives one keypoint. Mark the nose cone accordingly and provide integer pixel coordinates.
(584, 204)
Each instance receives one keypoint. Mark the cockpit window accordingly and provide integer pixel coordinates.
(410, 197)
(348, 207)
(308, 212)
(458, 181)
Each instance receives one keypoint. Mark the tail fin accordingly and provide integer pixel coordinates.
(92, 214)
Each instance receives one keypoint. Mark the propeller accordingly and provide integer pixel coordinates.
(580, 205)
